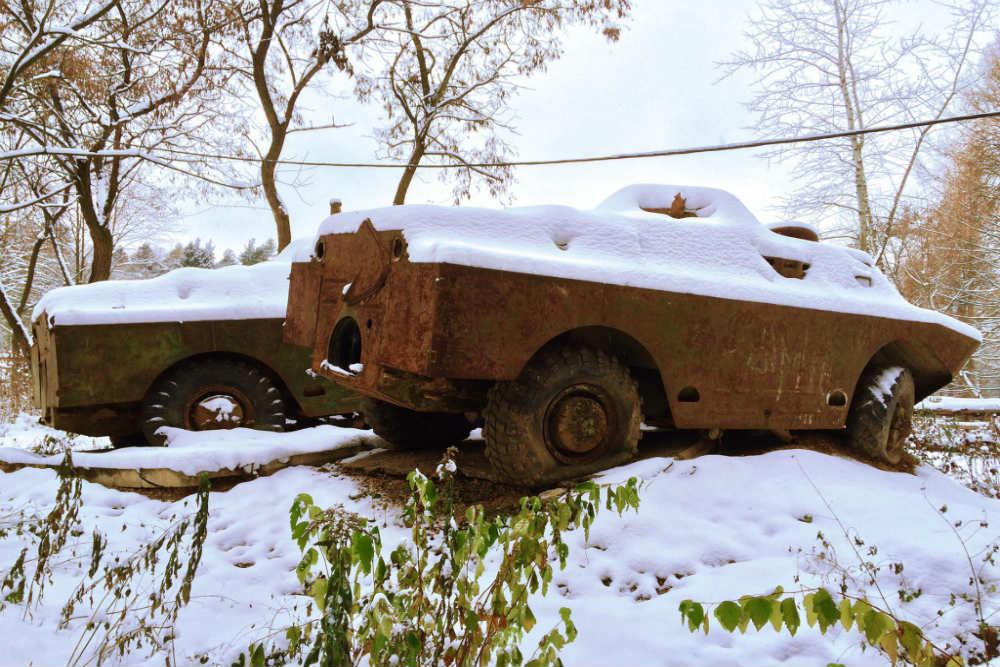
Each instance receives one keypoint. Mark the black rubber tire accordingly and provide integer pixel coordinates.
(878, 422)
(169, 399)
(409, 429)
(520, 444)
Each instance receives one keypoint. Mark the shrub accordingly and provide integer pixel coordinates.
(430, 600)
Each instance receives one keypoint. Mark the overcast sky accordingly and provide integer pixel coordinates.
(656, 88)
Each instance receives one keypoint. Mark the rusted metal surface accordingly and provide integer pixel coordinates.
(90, 379)
(701, 362)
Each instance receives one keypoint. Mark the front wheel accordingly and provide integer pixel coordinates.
(880, 416)
(573, 410)
(210, 394)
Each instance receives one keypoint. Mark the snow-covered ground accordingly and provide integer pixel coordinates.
(954, 404)
(708, 529)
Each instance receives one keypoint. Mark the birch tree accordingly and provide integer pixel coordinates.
(825, 66)
(952, 257)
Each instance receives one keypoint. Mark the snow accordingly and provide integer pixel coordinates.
(353, 369)
(26, 433)
(708, 529)
(187, 294)
(719, 253)
(954, 404)
(192, 452)
(884, 383)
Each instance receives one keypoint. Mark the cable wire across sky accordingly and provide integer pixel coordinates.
(759, 143)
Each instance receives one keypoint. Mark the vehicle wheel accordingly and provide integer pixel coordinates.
(572, 411)
(409, 429)
(211, 394)
(880, 414)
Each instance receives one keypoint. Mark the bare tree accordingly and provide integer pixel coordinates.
(282, 46)
(833, 65)
(450, 70)
(135, 78)
(952, 253)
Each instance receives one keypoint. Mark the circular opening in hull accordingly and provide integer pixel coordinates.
(345, 344)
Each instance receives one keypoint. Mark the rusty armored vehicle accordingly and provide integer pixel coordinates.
(563, 330)
(194, 348)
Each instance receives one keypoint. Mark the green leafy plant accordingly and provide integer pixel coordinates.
(455, 593)
(899, 639)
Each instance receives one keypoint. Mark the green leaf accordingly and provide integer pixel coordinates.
(876, 624)
(776, 617)
(912, 640)
(693, 613)
(759, 610)
(363, 548)
(887, 642)
(790, 614)
(318, 592)
(257, 656)
(807, 604)
(528, 619)
(728, 613)
(471, 620)
(827, 612)
(846, 614)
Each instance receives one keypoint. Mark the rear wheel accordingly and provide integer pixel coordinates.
(409, 429)
(881, 412)
(572, 411)
(211, 394)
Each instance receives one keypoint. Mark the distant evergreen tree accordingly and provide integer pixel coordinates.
(173, 258)
(228, 258)
(194, 254)
(252, 254)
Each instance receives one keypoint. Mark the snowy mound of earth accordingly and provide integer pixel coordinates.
(720, 251)
(193, 452)
(710, 529)
(188, 294)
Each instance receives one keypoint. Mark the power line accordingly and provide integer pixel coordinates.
(760, 143)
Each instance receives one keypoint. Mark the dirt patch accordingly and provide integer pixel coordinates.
(382, 474)
(393, 491)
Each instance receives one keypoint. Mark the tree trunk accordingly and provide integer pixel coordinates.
(866, 226)
(100, 236)
(19, 334)
(267, 168)
(103, 247)
(408, 174)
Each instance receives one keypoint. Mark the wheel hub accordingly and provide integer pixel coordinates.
(215, 408)
(577, 423)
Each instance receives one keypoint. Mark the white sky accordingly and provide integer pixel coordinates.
(655, 89)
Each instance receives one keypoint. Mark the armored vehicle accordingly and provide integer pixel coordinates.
(566, 329)
(194, 348)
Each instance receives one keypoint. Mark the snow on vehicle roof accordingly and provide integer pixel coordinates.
(719, 251)
(187, 294)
